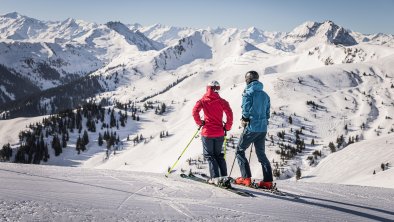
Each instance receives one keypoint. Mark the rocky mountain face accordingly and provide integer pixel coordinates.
(326, 31)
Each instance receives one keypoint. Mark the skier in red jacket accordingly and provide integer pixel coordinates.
(213, 131)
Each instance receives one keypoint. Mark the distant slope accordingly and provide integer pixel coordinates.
(9, 83)
(356, 163)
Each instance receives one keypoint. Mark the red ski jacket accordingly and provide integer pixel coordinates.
(213, 107)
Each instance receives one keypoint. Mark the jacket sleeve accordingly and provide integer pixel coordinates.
(229, 115)
(196, 113)
(247, 103)
(267, 112)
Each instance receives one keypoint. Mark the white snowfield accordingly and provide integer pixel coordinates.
(356, 163)
(51, 193)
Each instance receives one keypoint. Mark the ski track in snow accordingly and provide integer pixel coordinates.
(46, 193)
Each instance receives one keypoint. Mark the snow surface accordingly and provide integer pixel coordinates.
(347, 166)
(48, 193)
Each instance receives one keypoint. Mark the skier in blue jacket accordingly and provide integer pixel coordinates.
(255, 115)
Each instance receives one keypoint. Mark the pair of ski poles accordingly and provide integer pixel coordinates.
(225, 141)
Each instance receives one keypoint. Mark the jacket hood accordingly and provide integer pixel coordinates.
(210, 94)
(255, 86)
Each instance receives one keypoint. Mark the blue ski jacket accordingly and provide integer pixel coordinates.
(256, 107)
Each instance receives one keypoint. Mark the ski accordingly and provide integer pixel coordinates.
(273, 190)
(191, 176)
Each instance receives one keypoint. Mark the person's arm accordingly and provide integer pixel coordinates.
(247, 103)
(267, 112)
(229, 115)
(196, 113)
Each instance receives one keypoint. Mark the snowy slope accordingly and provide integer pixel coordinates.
(356, 163)
(330, 85)
(38, 193)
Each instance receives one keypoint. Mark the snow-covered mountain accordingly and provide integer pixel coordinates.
(309, 34)
(167, 35)
(134, 37)
(50, 54)
(331, 81)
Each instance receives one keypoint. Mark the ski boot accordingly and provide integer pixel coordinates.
(243, 181)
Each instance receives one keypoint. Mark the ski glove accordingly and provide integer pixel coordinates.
(244, 121)
(202, 122)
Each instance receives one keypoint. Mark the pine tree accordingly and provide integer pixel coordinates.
(64, 140)
(163, 108)
(56, 145)
(85, 137)
(332, 147)
(46, 153)
(100, 140)
(78, 145)
(109, 144)
(290, 120)
(298, 173)
(313, 142)
(5, 152)
(112, 122)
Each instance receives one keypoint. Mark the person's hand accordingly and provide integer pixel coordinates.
(244, 122)
(202, 123)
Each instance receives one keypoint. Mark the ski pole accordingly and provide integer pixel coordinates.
(250, 154)
(232, 166)
(225, 143)
(169, 171)
(235, 156)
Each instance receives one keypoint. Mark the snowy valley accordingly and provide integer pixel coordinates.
(332, 111)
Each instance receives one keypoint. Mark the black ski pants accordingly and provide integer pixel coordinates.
(214, 153)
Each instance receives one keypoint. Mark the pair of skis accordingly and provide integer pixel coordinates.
(224, 185)
(191, 176)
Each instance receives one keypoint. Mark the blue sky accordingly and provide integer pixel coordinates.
(274, 15)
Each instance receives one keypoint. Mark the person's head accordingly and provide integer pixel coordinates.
(251, 76)
(214, 85)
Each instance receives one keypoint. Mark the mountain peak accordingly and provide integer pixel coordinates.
(134, 37)
(16, 15)
(12, 15)
(327, 30)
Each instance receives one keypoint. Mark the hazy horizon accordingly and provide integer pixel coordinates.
(361, 16)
